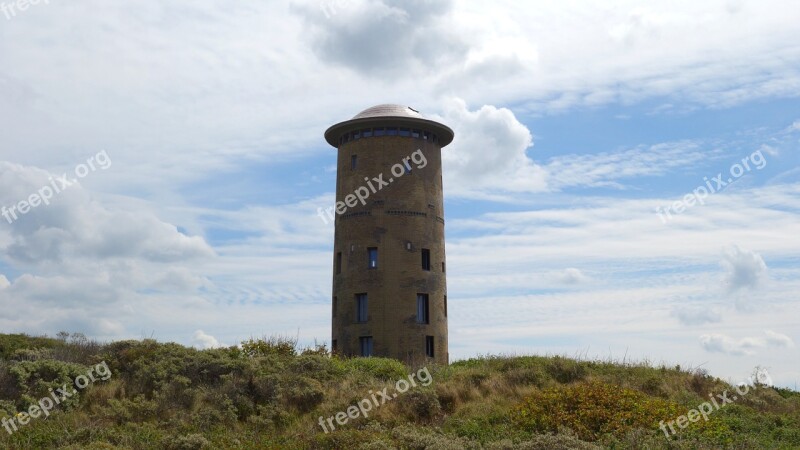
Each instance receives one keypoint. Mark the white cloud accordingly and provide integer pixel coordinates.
(778, 340)
(4, 283)
(573, 276)
(721, 343)
(205, 341)
(696, 315)
(744, 269)
(76, 225)
(489, 152)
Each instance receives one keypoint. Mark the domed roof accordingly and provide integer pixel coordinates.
(389, 115)
(389, 110)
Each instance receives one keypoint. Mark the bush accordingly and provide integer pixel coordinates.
(382, 368)
(592, 409)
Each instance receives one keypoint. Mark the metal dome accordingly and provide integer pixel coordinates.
(389, 110)
(389, 115)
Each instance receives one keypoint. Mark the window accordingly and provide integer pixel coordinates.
(334, 346)
(372, 252)
(409, 245)
(353, 162)
(356, 135)
(380, 131)
(429, 346)
(423, 310)
(367, 133)
(445, 306)
(426, 259)
(415, 134)
(361, 308)
(426, 135)
(339, 263)
(335, 305)
(366, 345)
(443, 271)
(391, 131)
(405, 132)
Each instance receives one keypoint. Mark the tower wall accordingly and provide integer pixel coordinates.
(400, 220)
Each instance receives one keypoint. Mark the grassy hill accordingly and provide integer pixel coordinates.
(268, 394)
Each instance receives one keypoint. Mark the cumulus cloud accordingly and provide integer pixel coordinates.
(489, 152)
(573, 276)
(76, 225)
(385, 37)
(696, 316)
(205, 341)
(743, 269)
(721, 343)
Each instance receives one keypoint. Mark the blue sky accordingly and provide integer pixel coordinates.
(573, 123)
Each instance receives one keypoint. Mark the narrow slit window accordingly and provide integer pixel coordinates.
(362, 312)
(353, 162)
(372, 254)
(339, 262)
(445, 306)
(429, 347)
(366, 345)
(423, 309)
(335, 305)
(426, 259)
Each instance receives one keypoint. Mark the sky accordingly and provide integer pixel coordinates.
(624, 182)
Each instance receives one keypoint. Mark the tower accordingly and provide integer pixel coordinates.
(389, 277)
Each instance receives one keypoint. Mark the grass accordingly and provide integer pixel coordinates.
(267, 393)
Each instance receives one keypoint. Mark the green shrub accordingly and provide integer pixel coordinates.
(592, 409)
(382, 368)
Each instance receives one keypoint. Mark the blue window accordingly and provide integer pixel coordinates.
(415, 134)
(367, 132)
(361, 308)
(391, 131)
(366, 345)
(380, 131)
(423, 309)
(405, 132)
(372, 252)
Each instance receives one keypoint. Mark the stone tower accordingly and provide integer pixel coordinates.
(389, 283)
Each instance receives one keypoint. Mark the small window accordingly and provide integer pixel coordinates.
(339, 262)
(426, 259)
(435, 139)
(443, 271)
(366, 345)
(367, 133)
(426, 135)
(423, 309)
(361, 308)
(415, 134)
(356, 135)
(429, 346)
(445, 306)
(391, 131)
(353, 162)
(380, 131)
(334, 346)
(372, 253)
(405, 132)
(335, 305)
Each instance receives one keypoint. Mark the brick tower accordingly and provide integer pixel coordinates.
(389, 283)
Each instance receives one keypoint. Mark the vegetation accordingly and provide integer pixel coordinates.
(268, 394)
